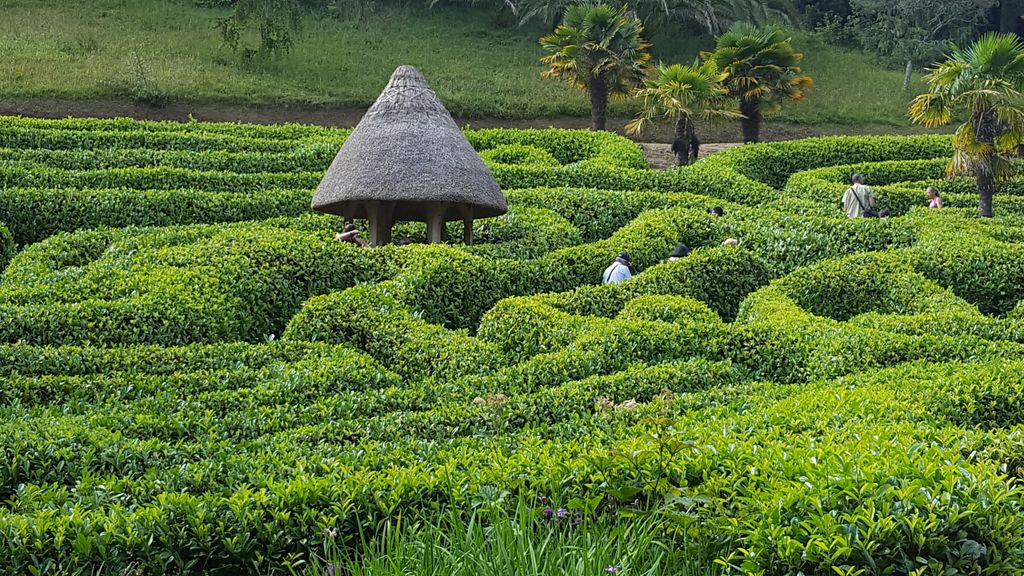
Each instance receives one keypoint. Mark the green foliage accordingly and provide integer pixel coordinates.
(6, 246)
(175, 285)
(984, 84)
(914, 31)
(490, 542)
(760, 68)
(832, 395)
(598, 48)
(518, 154)
(773, 163)
(275, 21)
(566, 146)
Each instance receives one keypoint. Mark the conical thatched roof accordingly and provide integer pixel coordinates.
(408, 150)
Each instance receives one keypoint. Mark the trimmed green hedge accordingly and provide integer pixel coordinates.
(829, 397)
(774, 163)
(899, 185)
(237, 282)
(6, 246)
(793, 330)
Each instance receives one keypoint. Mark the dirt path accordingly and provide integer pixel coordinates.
(660, 156)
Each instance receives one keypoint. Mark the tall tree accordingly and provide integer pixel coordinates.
(985, 85)
(599, 49)
(682, 94)
(761, 69)
(916, 32)
(1010, 14)
(276, 22)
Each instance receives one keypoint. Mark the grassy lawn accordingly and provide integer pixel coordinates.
(480, 66)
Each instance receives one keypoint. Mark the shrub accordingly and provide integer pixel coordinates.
(236, 282)
(773, 163)
(523, 233)
(521, 154)
(883, 433)
(781, 340)
(372, 319)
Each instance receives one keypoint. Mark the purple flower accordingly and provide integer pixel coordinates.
(330, 570)
(613, 569)
(548, 512)
(562, 513)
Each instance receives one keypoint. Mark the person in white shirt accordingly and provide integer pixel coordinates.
(618, 271)
(859, 200)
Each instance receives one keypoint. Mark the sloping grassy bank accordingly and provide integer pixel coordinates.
(168, 52)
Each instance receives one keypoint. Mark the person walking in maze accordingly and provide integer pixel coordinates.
(859, 200)
(618, 270)
(681, 251)
(351, 235)
(934, 200)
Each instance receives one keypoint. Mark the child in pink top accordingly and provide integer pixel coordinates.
(934, 201)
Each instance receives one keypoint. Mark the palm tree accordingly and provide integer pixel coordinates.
(682, 94)
(761, 70)
(599, 49)
(985, 85)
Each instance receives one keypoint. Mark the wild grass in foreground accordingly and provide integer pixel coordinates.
(541, 541)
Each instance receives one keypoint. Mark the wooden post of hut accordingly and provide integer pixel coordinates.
(407, 160)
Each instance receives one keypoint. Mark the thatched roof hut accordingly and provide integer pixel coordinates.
(407, 160)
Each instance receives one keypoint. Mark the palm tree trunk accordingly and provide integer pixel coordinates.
(598, 89)
(986, 187)
(985, 133)
(681, 143)
(752, 120)
(1009, 16)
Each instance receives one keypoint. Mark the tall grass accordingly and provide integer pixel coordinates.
(169, 50)
(523, 542)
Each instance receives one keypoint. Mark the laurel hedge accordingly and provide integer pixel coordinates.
(196, 379)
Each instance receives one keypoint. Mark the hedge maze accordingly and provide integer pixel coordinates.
(194, 378)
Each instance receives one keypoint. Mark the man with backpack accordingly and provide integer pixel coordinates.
(618, 270)
(859, 200)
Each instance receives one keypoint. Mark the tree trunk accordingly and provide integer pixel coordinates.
(598, 88)
(752, 120)
(681, 143)
(1009, 16)
(908, 76)
(985, 130)
(986, 187)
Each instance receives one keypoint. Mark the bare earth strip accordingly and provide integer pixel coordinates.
(660, 156)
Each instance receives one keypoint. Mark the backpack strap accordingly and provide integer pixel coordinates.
(857, 198)
(608, 273)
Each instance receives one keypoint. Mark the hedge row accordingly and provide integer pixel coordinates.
(38, 213)
(303, 158)
(900, 185)
(774, 163)
(863, 468)
(796, 404)
(794, 330)
(131, 287)
(173, 286)
(565, 146)
(16, 136)
(267, 132)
